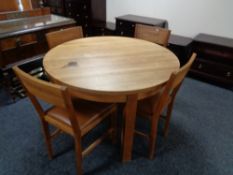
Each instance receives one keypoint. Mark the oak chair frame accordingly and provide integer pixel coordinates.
(154, 34)
(58, 37)
(60, 97)
(152, 107)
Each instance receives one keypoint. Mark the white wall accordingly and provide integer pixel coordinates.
(185, 17)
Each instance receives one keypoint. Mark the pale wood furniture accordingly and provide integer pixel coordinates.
(152, 33)
(75, 119)
(112, 69)
(152, 107)
(58, 37)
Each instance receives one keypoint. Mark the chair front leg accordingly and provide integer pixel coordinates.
(45, 128)
(114, 127)
(78, 155)
(168, 118)
(153, 136)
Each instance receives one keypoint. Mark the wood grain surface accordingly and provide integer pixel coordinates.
(112, 69)
(110, 65)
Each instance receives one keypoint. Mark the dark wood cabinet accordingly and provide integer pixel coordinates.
(87, 13)
(103, 29)
(56, 6)
(25, 46)
(181, 46)
(215, 59)
(125, 25)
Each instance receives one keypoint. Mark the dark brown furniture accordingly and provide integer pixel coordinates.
(214, 59)
(22, 39)
(57, 6)
(88, 13)
(152, 107)
(76, 118)
(181, 46)
(125, 25)
(25, 37)
(101, 28)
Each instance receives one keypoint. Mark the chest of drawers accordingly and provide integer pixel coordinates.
(85, 12)
(125, 25)
(23, 43)
(215, 58)
(181, 46)
(56, 6)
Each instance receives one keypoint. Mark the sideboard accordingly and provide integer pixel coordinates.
(125, 25)
(87, 13)
(22, 41)
(214, 59)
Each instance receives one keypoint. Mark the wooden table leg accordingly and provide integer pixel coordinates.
(129, 126)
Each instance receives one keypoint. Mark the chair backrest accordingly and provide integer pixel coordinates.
(51, 93)
(56, 95)
(173, 85)
(61, 36)
(152, 33)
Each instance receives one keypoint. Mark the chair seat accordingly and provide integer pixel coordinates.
(87, 113)
(145, 106)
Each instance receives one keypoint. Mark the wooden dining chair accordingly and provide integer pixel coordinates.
(61, 36)
(76, 119)
(152, 107)
(154, 34)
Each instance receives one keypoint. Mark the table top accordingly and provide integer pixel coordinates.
(9, 28)
(110, 65)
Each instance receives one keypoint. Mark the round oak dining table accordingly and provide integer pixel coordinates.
(112, 69)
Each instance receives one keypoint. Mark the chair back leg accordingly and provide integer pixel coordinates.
(168, 118)
(78, 153)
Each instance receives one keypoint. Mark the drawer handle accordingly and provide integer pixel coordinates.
(133, 25)
(84, 7)
(77, 15)
(18, 41)
(121, 23)
(200, 66)
(228, 74)
(122, 33)
(69, 4)
(86, 17)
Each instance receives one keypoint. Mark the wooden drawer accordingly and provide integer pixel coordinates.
(125, 25)
(125, 28)
(214, 53)
(11, 43)
(20, 53)
(214, 69)
(75, 9)
(80, 12)
(55, 3)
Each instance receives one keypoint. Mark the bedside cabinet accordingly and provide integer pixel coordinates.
(214, 59)
(181, 46)
(56, 6)
(125, 25)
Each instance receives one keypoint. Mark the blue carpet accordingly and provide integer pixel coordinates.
(200, 141)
